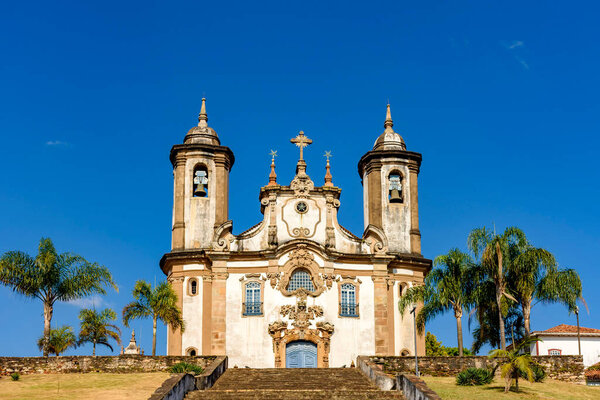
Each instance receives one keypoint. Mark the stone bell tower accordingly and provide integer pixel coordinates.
(201, 193)
(389, 177)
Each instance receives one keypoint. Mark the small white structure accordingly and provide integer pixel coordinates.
(132, 348)
(562, 340)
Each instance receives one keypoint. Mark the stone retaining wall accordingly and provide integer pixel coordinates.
(75, 364)
(564, 368)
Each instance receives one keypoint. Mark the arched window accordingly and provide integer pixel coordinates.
(301, 279)
(252, 299)
(191, 352)
(200, 186)
(395, 191)
(348, 306)
(192, 287)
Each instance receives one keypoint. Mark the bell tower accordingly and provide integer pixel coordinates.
(389, 176)
(201, 191)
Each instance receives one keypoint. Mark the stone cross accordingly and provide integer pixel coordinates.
(301, 141)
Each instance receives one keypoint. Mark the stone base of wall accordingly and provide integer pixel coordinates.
(563, 368)
(82, 364)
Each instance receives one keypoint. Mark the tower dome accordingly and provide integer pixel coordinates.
(202, 133)
(389, 140)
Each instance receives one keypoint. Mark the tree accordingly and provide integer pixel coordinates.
(96, 328)
(533, 275)
(435, 348)
(160, 303)
(446, 288)
(52, 277)
(58, 340)
(515, 362)
(494, 250)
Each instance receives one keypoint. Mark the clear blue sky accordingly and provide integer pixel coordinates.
(500, 97)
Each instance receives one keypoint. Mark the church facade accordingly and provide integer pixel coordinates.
(297, 289)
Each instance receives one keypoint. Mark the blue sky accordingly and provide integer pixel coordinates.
(500, 97)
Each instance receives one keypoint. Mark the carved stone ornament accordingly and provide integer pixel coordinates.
(329, 279)
(223, 236)
(376, 239)
(302, 185)
(272, 236)
(273, 278)
(301, 258)
(301, 316)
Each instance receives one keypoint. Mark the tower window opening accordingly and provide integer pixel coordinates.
(194, 287)
(301, 279)
(200, 186)
(395, 193)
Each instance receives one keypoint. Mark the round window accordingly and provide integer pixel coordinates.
(301, 207)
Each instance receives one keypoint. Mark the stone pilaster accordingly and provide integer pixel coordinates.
(415, 234)
(178, 232)
(219, 309)
(380, 307)
(174, 335)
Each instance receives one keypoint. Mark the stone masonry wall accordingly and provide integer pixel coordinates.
(75, 364)
(564, 368)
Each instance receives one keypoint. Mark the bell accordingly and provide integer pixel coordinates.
(395, 196)
(200, 191)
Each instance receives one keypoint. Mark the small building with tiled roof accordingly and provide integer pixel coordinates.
(562, 340)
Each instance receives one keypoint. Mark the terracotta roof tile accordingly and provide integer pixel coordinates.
(564, 328)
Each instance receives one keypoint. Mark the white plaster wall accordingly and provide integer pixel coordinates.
(353, 336)
(365, 184)
(248, 342)
(315, 219)
(590, 347)
(192, 316)
(396, 217)
(199, 212)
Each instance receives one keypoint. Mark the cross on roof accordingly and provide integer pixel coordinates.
(301, 141)
(273, 154)
(327, 155)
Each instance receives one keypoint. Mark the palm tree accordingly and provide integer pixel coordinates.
(515, 362)
(52, 277)
(96, 328)
(446, 288)
(494, 249)
(160, 303)
(534, 275)
(58, 340)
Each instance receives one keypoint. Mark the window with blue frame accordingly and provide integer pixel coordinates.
(252, 304)
(348, 306)
(301, 279)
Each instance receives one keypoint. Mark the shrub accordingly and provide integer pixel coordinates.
(592, 373)
(183, 367)
(474, 377)
(539, 373)
(15, 376)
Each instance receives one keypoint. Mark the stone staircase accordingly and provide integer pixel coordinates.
(291, 384)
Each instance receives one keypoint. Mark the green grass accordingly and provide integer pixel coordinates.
(550, 389)
(99, 386)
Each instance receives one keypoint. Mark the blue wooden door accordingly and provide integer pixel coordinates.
(301, 354)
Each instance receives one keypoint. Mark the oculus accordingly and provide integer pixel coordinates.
(301, 207)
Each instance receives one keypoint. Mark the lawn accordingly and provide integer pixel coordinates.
(447, 389)
(101, 386)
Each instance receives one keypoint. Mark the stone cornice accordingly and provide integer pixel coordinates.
(223, 154)
(207, 257)
(411, 158)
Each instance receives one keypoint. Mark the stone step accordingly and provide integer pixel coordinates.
(275, 394)
(293, 379)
